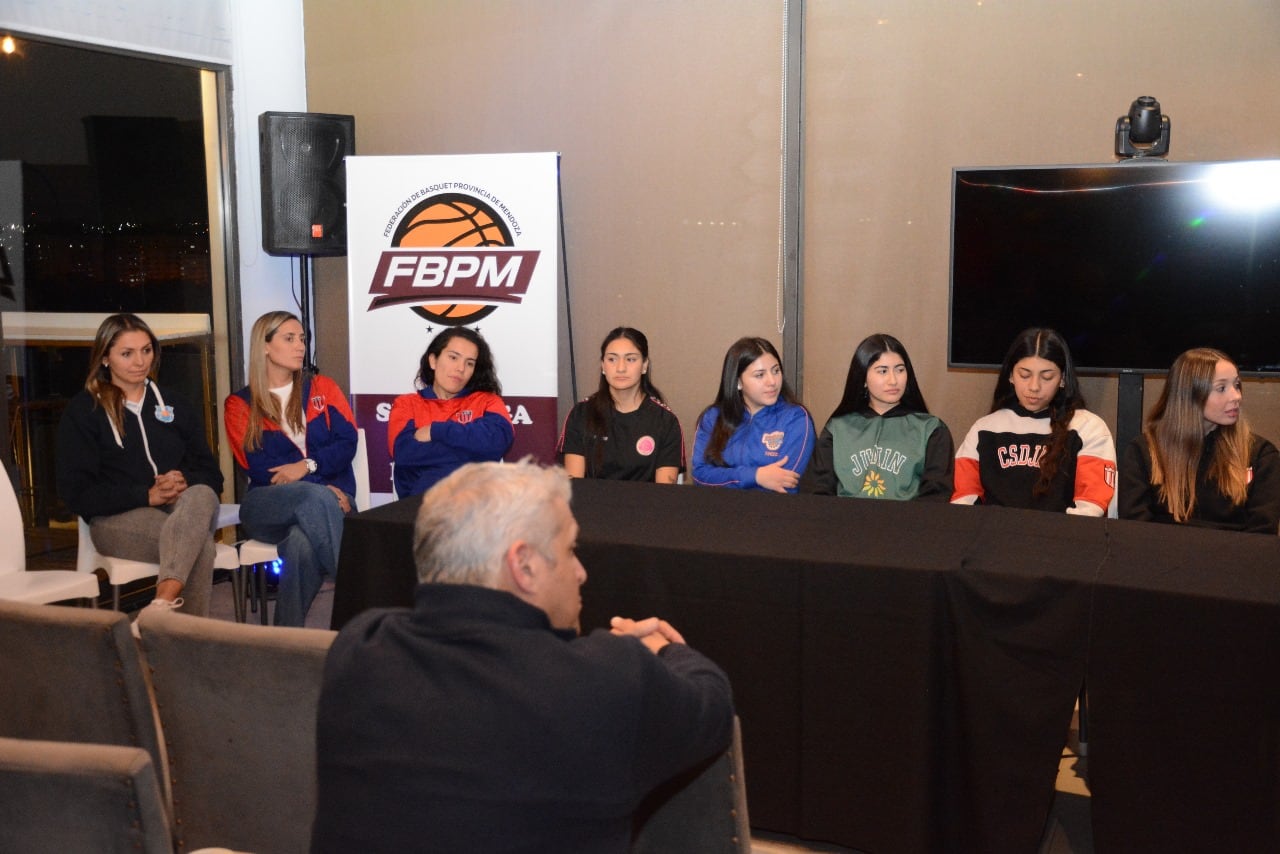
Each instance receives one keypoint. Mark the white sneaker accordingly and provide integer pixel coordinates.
(162, 604)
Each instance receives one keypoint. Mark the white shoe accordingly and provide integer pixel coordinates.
(162, 604)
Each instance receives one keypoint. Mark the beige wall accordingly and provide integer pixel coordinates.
(899, 93)
(667, 118)
(668, 115)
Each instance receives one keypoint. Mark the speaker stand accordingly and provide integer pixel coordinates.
(1128, 411)
(304, 305)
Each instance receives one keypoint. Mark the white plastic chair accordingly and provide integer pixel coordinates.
(39, 587)
(255, 552)
(121, 571)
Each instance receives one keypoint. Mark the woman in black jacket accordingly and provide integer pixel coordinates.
(135, 465)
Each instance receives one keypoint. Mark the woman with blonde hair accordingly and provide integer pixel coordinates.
(294, 435)
(134, 464)
(1196, 461)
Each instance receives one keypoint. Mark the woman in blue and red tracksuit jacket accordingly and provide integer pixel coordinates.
(294, 436)
(455, 417)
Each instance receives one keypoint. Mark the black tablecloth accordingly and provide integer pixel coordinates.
(905, 672)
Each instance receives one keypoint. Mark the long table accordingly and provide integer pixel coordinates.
(906, 672)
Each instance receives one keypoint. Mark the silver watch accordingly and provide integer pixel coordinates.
(311, 465)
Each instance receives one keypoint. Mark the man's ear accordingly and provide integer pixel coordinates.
(520, 568)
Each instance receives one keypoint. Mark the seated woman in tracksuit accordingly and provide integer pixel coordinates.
(294, 435)
(455, 417)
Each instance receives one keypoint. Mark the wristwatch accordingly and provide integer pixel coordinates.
(311, 465)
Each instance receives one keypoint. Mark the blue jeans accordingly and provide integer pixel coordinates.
(305, 522)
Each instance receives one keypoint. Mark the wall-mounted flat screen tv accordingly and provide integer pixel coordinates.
(1132, 262)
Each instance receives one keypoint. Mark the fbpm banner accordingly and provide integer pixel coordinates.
(435, 242)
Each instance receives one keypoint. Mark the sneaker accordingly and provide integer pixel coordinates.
(162, 604)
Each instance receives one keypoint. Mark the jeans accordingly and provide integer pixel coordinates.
(304, 520)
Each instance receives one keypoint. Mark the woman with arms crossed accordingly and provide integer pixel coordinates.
(455, 417)
(624, 431)
(134, 464)
(1197, 462)
(881, 441)
(1039, 448)
(294, 436)
(756, 435)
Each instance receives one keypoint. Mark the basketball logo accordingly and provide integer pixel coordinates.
(452, 220)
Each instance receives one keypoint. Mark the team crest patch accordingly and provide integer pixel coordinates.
(645, 445)
(773, 441)
(1109, 475)
(317, 403)
(464, 416)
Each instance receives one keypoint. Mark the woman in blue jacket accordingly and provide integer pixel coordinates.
(756, 435)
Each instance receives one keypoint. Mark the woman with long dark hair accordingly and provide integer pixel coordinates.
(624, 431)
(756, 435)
(294, 435)
(135, 465)
(456, 416)
(1196, 461)
(881, 441)
(1039, 448)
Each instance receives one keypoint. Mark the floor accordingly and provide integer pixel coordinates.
(1068, 830)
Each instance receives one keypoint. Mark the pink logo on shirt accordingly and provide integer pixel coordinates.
(464, 416)
(773, 441)
(645, 446)
(317, 403)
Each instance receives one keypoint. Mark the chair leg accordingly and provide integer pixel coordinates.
(237, 592)
(1083, 731)
(262, 593)
(115, 597)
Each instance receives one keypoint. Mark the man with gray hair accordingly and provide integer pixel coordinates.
(479, 720)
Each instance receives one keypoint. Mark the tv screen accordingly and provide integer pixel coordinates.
(1132, 262)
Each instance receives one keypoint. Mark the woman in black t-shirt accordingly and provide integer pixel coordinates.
(624, 431)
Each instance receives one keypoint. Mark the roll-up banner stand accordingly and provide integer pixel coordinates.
(442, 241)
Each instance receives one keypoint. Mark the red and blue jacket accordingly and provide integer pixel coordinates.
(472, 427)
(330, 438)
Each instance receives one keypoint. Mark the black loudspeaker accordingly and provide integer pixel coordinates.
(304, 182)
